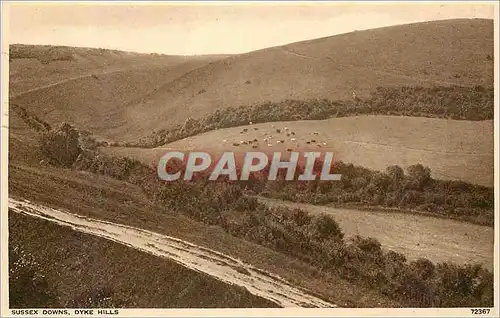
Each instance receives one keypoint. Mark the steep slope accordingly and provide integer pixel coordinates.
(451, 52)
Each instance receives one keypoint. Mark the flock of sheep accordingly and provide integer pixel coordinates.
(269, 138)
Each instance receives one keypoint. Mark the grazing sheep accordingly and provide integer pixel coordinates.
(250, 142)
(316, 133)
(269, 145)
(244, 142)
(289, 150)
(250, 123)
(318, 145)
(287, 134)
(278, 130)
(278, 141)
(235, 144)
(282, 141)
(255, 128)
(313, 140)
(255, 140)
(254, 146)
(324, 144)
(224, 140)
(308, 142)
(293, 134)
(245, 129)
(293, 139)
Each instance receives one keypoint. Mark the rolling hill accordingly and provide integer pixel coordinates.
(450, 52)
(35, 66)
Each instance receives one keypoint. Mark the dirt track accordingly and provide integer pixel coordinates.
(198, 258)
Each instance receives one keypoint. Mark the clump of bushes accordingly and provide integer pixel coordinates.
(44, 54)
(60, 146)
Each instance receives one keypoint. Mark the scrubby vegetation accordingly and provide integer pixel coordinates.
(455, 102)
(32, 121)
(60, 146)
(414, 190)
(44, 54)
(317, 240)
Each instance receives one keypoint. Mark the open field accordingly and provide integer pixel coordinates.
(85, 271)
(454, 150)
(329, 68)
(415, 236)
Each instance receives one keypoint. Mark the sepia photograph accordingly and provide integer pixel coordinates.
(225, 158)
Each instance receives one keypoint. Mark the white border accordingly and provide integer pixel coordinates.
(296, 312)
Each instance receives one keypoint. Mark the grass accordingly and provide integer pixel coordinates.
(83, 271)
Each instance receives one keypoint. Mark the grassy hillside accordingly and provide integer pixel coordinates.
(76, 84)
(54, 266)
(456, 52)
(33, 66)
(454, 150)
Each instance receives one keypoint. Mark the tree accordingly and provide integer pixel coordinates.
(324, 227)
(419, 175)
(61, 146)
(396, 174)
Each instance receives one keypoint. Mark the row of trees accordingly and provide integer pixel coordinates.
(455, 102)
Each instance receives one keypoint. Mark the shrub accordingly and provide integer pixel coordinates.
(61, 145)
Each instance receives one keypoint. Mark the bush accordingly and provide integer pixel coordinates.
(61, 145)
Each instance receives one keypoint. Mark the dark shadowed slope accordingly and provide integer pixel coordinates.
(86, 271)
